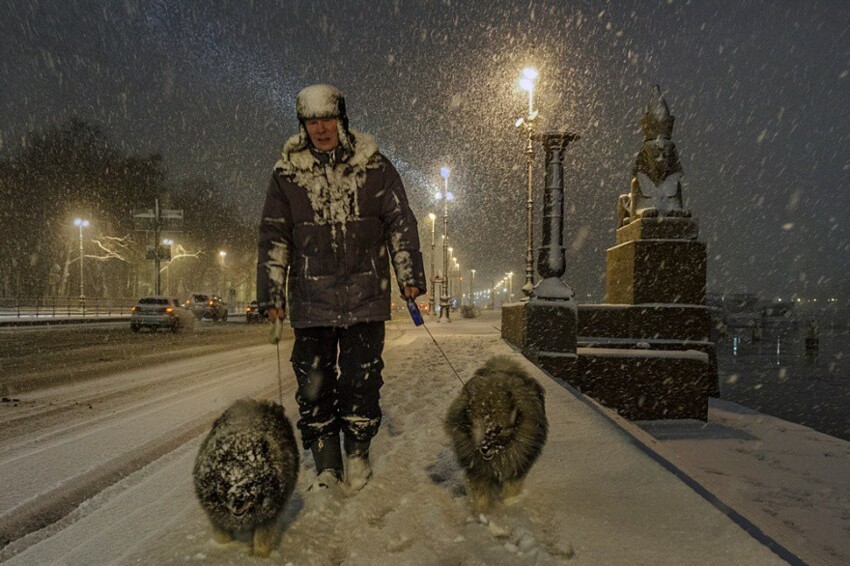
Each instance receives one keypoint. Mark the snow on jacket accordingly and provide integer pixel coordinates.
(332, 222)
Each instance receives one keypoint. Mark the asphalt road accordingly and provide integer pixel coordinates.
(32, 358)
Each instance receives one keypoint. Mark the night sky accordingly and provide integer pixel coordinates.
(760, 91)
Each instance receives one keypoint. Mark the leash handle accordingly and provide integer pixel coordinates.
(413, 309)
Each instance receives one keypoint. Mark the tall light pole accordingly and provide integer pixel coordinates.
(431, 301)
(446, 196)
(459, 283)
(168, 242)
(450, 275)
(223, 255)
(510, 276)
(526, 83)
(81, 224)
(472, 288)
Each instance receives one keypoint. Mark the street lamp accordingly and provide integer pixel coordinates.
(168, 242)
(431, 301)
(526, 83)
(459, 289)
(511, 286)
(223, 255)
(445, 196)
(449, 274)
(82, 224)
(472, 288)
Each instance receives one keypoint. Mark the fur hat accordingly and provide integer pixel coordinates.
(323, 101)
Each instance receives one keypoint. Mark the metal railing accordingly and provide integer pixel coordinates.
(36, 307)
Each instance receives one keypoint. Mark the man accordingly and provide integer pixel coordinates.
(335, 215)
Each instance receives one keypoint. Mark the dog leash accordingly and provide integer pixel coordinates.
(274, 338)
(419, 321)
(443, 353)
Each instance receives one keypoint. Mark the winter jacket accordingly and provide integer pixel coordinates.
(331, 223)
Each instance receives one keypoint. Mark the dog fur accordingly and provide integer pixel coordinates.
(498, 427)
(245, 472)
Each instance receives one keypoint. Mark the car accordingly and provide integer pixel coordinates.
(158, 311)
(205, 305)
(252, 313)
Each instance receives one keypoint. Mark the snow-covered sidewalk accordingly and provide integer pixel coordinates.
(594, 497)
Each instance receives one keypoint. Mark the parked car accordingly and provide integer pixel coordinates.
(252, 313)
(205, 305)
(160, 312)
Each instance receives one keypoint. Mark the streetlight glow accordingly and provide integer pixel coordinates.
(445, 172)
(432, 216)
(530, 73)
(526, 84)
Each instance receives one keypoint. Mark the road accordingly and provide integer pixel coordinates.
(36, 357)
(87, 405)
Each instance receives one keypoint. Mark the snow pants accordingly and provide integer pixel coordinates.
(338, 370)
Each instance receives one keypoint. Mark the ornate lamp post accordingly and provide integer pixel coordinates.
(526, 83)
(81, 224)
(459, 283)
(450, 275)
(431, 302)
(446, 196)
(551, 263)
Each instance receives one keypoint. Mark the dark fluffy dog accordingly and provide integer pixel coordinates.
(498, 428)
(246, 470)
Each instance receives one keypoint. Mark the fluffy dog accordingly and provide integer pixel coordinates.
(498, 427)
(246, 470)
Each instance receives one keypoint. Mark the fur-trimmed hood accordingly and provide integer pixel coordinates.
(361, 151)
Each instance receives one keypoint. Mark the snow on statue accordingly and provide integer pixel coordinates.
(498, 428)
(656, 189)
(245, 471)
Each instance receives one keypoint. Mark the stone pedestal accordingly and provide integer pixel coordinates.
(542, 329)
(655, 266)
(645, 384)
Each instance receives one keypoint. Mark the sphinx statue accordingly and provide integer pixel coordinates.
(656, 188)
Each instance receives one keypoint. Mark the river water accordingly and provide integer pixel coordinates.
(779, 376)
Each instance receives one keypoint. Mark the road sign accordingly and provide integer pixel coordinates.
(170, 220)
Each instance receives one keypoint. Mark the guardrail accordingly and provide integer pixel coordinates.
(55, 307)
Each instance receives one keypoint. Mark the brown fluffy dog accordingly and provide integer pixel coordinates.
(246, 470)
(498, 428)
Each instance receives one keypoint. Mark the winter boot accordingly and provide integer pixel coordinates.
(358, 469)
(325, 480)
(328, 458)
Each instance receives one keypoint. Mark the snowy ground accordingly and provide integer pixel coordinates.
(791, 481)
(594, 497)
